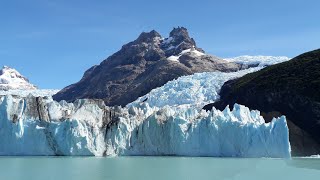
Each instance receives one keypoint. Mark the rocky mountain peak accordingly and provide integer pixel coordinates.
(178, 41)
(150, 46)
(12, 79)
(179, 32)
(148, 37)
(142, 65)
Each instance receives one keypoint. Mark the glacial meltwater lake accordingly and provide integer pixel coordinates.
(154, 168)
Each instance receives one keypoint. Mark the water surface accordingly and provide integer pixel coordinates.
(154, 168)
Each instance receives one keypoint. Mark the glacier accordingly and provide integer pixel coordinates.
(167, 121)
(41, 126)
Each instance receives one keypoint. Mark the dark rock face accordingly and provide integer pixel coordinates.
(291, 88)
(36, 107)
(141, 66)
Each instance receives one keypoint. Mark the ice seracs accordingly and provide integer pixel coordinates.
(12, 79)
(185, 131)
(197, 90)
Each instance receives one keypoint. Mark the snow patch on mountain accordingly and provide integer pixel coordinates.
(258, 60)
(12, 79)
(192, 51)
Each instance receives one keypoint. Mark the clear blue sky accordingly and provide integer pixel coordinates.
(53, 42)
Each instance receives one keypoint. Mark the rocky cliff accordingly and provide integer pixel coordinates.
(291, 89)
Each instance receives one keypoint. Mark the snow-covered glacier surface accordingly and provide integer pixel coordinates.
(258, 60)
(25, 92)
(167, 121)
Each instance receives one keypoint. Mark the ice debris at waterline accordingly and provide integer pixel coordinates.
(41, 126)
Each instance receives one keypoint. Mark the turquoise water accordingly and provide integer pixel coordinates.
(154, 168)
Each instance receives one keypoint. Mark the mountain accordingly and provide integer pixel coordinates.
(146, 63)
(11, 79)
(289, 88)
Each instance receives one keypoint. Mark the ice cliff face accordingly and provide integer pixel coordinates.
(37, 126)
(11, 79)
(185, 131)
(41, 126)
